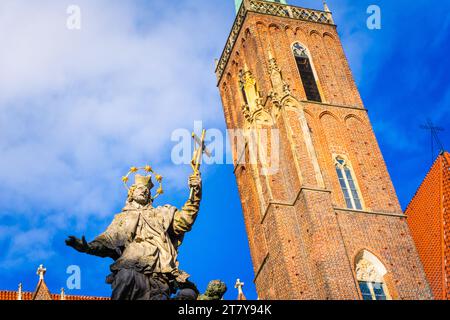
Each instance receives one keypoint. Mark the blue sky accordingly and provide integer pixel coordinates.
(78, 108)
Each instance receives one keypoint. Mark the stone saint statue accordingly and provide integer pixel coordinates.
(143, 241)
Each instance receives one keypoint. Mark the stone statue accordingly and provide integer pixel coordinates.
(143, 241)
(215, 291)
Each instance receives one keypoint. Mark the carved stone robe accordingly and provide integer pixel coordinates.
(146, 239)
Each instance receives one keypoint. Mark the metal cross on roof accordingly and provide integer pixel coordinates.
(434, 130)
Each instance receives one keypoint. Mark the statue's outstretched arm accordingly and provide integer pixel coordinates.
(104, 248)
(185, 218)
(100, 247)
(108, 244)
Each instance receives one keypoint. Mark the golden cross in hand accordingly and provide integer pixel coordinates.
(198, 152)
(197, 156)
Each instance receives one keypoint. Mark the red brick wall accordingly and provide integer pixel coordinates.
(303, 242)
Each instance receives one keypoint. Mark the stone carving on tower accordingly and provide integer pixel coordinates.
(280, 88)
(366, 271)
(253, 109)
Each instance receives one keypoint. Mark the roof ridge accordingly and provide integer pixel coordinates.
(440, 157)
(446, 157)
(55, 296)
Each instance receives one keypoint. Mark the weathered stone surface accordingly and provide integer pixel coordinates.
(143, 241)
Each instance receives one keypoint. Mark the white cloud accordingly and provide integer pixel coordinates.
(29, 246)
(78, 107)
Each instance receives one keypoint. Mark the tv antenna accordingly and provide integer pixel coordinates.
(434, 130)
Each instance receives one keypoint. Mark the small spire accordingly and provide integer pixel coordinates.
(237, 4)
(239, 285)
(19, 293)
(41, 272)
(63, 295)
(325, 6)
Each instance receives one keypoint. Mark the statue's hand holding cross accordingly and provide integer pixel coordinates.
(194, 180)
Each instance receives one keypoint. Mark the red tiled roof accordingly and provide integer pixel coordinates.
(73, 298)
(42, 293)
(429, 220)
(8, 295)
(12, 295)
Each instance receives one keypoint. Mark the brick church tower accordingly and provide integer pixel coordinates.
(326, 224)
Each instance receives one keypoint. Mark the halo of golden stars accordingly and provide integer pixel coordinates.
(149, 171)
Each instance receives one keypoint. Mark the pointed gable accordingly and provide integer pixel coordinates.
(41, 292)
(241, 296)
(429, 220)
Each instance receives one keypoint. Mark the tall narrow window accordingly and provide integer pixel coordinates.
(348, 185)
(370, 274)
(306, 73)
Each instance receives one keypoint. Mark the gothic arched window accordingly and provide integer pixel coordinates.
(306, 72)
(370, 274)
(348, 184)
